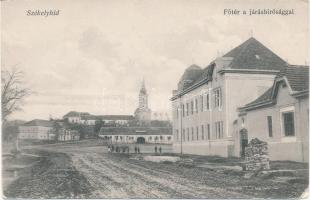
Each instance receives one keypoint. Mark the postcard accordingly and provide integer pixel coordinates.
(145, 99)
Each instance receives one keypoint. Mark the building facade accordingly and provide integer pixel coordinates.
(140, 135)
(206, 101)
(68, 135)
(85, 118)
(279, 117)
(37, 130)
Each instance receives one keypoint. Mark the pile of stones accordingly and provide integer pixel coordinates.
(256, 156)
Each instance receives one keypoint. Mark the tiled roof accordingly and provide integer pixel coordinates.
(75, 114)
(189, 77)
(250, 55)
(39, 122)
(265, 97)
(254, 55)
(116, 117)
(297, 77)
(135, 131)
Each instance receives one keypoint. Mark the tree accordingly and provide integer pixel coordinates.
(13, 92)
(98, 125)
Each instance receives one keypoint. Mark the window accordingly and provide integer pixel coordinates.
(208, 129)
(217, 98)
(192, 133)
(208, 102)
(183, 110)
(187, 134)
(269, 121)
(192, 107)
(219, 130)
(202, 132)
(196, 105)
(187, 108)
(201, 101)
(288, 123)
(197, 132)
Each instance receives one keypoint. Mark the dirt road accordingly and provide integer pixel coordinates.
(118, 176)
(123, 176)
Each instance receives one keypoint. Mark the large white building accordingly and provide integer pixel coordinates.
(37, 129)
(206, 101)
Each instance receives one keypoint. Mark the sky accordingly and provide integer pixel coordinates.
(93, 56)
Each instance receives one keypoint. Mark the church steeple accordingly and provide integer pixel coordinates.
(143, 89)
(143, 97)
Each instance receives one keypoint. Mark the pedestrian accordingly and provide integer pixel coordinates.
(135, 149)
(155, 149)
(138, 149)
(160, 150)
(112, 148)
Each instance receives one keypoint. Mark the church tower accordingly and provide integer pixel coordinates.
(143, 113)
(143, 97)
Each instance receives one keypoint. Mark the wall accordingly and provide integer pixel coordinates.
(34, 132)
(133, 138)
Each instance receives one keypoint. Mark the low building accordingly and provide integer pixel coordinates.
(279, 117)
(85, 118)
(75, 117)
(119, 120)
(140, 135)
(65, 134)
(37, 129)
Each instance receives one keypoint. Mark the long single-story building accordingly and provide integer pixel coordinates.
(141, 135)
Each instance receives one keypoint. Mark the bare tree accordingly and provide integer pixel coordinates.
(13, 92)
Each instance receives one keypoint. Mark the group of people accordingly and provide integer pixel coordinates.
(125, 149)
(137, 149)
(117, 149)
(159, 149)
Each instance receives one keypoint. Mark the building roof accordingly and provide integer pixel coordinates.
(254, 55)
(135, 131)
(297, 77)
(75, 114)
(251, 55)
(116, 117)
(39, 122)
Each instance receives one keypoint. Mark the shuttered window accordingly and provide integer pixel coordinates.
(269, 121)
(288, 123)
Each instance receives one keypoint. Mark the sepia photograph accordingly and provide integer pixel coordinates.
(155, 99)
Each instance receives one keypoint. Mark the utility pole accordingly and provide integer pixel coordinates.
(181, 114)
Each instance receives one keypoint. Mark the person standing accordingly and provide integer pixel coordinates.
(155, 149)
(160, 150)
